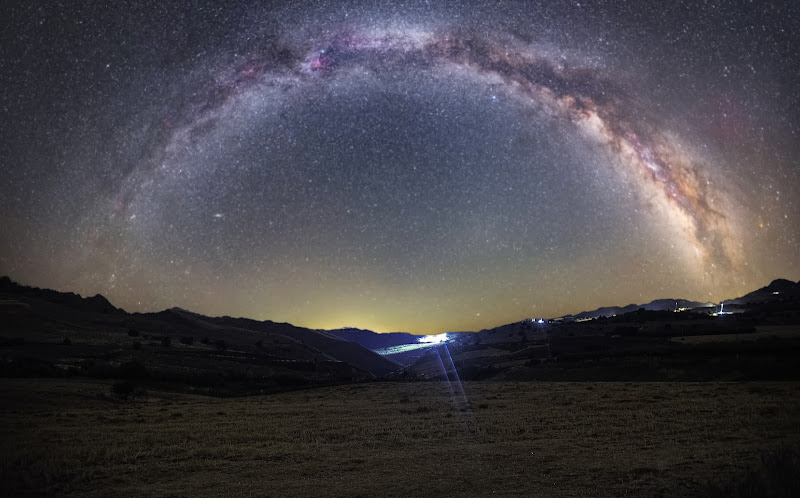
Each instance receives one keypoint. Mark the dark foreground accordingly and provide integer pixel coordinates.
(66, 436)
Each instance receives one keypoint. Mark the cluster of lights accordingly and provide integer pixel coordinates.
(433, 339)
(423, 342)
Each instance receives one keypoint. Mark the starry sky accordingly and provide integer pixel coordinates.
(399, 166)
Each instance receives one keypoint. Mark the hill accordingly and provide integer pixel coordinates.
(45, 332)
(758, 340)
(373, 340)
(778, 290)
(655, 305)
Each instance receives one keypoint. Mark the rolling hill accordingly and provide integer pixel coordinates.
(48, 331)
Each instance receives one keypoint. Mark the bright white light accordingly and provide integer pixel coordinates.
(541, 320)
(433, 339)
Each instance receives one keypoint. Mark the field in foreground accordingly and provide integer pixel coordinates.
(393, 439)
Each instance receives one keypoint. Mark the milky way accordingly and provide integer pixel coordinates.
(423, 170)
(576, 93)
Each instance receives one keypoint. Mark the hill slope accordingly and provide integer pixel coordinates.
(779, 289)
(48, 326)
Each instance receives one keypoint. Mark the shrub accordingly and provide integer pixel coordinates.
(204, 340)
(166, 342)
(188, 340)
(137, 345)
(133, 369)
(259, 344)
(124, 390)
(66, 341)
(133, 333)
(220, 344)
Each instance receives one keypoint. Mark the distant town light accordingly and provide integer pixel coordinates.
(434, 339)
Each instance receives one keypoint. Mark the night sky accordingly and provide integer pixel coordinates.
(402, 166)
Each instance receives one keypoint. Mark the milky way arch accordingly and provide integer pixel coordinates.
(669, 177)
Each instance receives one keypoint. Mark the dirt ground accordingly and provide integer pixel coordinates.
(393, 439)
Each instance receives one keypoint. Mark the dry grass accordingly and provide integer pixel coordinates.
(393, 439)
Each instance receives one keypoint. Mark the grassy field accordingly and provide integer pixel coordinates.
(393, 439)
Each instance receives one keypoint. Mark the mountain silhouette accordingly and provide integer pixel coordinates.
(777, 290)
(29, 312)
